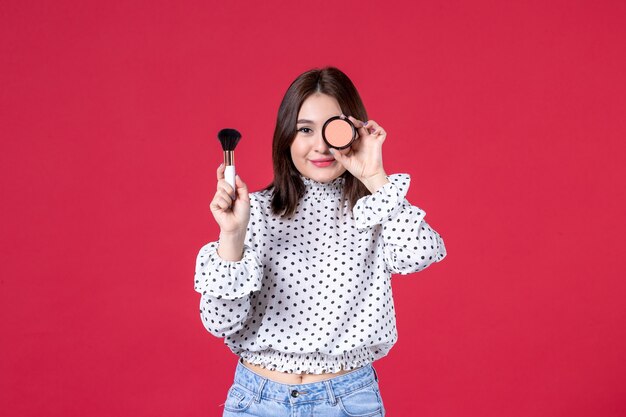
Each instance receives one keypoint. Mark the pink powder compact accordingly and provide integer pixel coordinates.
(339, 133)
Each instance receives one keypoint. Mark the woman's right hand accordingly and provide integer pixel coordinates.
(231, 210)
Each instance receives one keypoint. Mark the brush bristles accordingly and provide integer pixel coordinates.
(229, 139)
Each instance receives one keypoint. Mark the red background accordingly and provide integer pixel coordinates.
(508, 115)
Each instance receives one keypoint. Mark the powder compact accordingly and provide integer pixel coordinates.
(339, 133)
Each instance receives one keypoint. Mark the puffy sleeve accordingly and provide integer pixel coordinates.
(227, 279)
(227, 286)
(409, 243)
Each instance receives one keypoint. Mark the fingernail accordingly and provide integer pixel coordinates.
(365, 123)
(332, 151)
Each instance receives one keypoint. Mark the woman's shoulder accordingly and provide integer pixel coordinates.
(261, 199)
(264, 194)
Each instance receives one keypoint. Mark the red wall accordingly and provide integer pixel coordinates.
(508, 115)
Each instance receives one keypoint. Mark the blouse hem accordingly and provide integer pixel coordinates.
(313, 362)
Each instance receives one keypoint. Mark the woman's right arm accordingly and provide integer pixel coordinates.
(226, 288)
(228, 270)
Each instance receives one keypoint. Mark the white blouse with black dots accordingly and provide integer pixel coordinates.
(312, 294)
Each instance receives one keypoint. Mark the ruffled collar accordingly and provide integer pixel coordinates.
(329, 189)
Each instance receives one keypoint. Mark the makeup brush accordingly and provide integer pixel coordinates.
(229, 139)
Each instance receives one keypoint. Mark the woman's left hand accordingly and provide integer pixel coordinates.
(364, 159)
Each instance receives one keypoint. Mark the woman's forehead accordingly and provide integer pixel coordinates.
(318, 108)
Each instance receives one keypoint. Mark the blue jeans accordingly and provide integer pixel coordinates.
(354, 394)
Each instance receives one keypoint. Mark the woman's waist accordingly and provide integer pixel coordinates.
(291, 378)
(308, 391)
(296, 364)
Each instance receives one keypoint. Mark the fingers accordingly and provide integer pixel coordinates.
(221, 201)
(224, 188)
(369, 127)
(359, 126)
(223, 184)
(373, 129)
(220, 171)
(357, 123)
(225, 194)
(226, 191)
(242, 188)
(338, 154)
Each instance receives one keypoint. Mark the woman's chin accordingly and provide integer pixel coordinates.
(324, 176)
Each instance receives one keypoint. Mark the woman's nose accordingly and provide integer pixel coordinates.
(320, 145)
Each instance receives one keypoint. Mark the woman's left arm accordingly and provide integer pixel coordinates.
(410, 244)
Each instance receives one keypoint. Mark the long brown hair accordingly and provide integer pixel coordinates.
(287, 186)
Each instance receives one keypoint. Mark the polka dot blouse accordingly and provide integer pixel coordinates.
(312, 294)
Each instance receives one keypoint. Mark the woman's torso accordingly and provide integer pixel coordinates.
(289, 378)
(280, 243)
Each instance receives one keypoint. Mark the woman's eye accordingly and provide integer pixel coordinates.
(304, 130)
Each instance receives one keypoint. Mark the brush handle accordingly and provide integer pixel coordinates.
(229, 176)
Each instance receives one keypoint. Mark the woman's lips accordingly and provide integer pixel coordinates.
(321, 163)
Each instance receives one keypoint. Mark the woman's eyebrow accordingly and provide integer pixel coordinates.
(304, 121)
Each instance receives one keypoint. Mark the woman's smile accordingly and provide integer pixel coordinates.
(322, 163)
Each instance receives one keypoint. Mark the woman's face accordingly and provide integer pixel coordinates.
(309, 152)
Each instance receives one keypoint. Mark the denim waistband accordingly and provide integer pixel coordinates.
(315, 391)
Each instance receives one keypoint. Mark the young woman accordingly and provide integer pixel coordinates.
(298, 282)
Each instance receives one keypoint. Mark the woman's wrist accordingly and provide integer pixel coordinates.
(376, 181)
(230, 246)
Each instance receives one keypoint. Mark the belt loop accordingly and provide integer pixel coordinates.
(375, 374)
(331, 394)
(257, 396)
